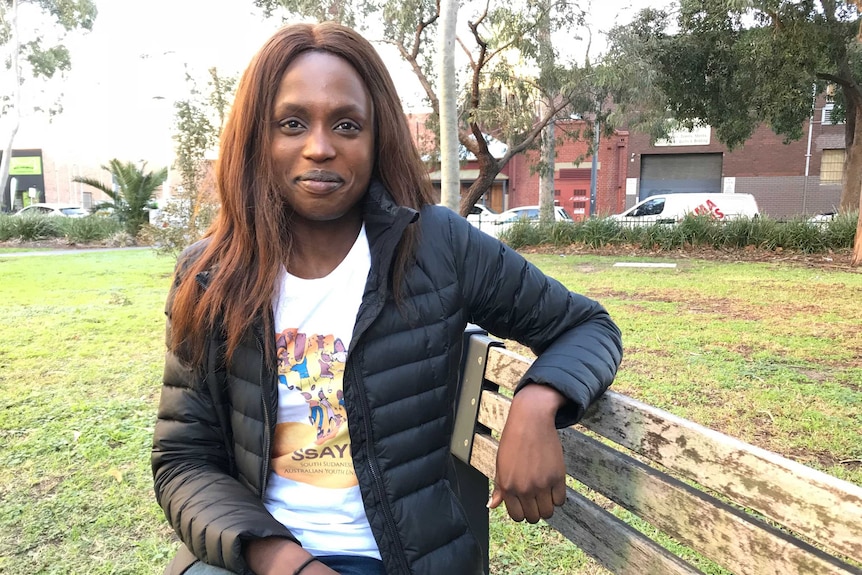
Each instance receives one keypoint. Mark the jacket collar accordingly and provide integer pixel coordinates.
(379, 210)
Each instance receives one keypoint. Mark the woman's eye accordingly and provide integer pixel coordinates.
(347, 126)
(291, 124)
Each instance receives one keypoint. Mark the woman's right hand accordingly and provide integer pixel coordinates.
(279, 556)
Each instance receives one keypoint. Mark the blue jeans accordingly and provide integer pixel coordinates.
(342, 564)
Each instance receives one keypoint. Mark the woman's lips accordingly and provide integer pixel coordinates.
(320, 181)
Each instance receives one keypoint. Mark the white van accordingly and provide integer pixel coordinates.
(672, 208)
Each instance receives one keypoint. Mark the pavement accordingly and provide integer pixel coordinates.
(68, 252)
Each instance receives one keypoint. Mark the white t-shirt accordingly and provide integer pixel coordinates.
(313, 488)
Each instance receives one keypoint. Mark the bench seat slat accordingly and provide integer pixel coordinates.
(806, 501)
(617, 546)
(738, 542)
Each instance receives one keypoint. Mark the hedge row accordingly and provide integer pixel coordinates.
(90, 229)
(702, 231)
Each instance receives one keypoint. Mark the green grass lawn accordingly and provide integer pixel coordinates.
(770, 353)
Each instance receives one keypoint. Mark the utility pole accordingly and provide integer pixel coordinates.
(594, 169)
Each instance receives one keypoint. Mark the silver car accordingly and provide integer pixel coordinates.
(65, 210)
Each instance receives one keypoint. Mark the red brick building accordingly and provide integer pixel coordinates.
(800, 177)
(518, 185)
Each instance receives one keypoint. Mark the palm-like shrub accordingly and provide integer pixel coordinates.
(135, 189)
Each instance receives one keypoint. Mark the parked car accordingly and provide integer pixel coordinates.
(527, 214)
(823, 218)
(64, 210)
(672, 208)
(482, 217)
(531, 214)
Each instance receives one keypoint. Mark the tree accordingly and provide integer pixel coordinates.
(734, 65)
(548, 139)
(199, 122)
(35, 58)
(501, 91)
(135, 189)
(450, 178)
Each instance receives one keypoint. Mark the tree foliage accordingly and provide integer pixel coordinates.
(199, 121)
(507, 74)
(135, 189)
(39, 56)
(735, 65)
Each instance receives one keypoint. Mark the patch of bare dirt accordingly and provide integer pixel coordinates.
(53, 244)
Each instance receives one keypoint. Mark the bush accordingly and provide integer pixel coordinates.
(841, 232)
(39, 227)
(702, 231)
(801, 235)
(8, 227)
(89, 229)
(659, 236)
(177, 225)
(523, 233)
(597, 232)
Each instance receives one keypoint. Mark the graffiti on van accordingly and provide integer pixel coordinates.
(710, 208)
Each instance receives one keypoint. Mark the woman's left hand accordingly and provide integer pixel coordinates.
(531, 473)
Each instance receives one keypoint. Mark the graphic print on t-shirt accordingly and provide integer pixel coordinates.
(311, 443)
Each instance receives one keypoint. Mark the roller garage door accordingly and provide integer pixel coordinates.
(679, 173)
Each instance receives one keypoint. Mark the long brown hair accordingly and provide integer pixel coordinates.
(250, 239)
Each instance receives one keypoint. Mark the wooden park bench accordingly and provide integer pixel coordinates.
(744, 508)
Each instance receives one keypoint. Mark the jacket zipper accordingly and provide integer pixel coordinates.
(267, 429)
(374, 466)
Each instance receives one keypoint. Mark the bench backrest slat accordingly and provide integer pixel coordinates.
(815, 505)
(823, 508)
(692, 517)
(616, 545)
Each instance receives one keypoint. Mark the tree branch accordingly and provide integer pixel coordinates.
(534, 133)
(467, 52)
(420, 75)
(420, 28)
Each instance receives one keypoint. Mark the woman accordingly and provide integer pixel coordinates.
(314, 340)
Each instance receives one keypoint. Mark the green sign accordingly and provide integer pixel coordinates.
(25, 166)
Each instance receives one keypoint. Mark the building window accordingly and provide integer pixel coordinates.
(832, 167)
(87, 200)
(826, 115)
(579, 202)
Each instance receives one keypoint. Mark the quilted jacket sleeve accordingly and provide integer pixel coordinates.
(578, 345)
(210, 510)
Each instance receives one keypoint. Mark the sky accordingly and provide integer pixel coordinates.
(126, 73)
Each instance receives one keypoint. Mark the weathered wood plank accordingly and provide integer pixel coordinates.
(738, 542)
(505, 368)
(806, 501)
(728, 536)
(613, 543)
(811, 503)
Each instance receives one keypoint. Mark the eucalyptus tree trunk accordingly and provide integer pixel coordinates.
(546, 174)
(851, 193)
(16, 109)
(450, 181)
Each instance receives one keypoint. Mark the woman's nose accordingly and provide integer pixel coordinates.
(318, 145)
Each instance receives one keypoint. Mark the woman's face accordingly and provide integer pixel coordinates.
(323, 143)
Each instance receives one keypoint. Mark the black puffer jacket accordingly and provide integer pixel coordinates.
(212, 440)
